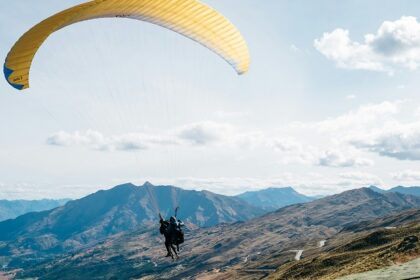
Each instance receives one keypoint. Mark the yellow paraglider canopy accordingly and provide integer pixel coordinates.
(187, 17)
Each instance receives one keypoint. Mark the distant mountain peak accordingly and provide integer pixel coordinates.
(399, 189)
(377, 189)
(148, 184)
(274, 198)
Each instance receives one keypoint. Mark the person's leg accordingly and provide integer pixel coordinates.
(174, 250)
(168, 249)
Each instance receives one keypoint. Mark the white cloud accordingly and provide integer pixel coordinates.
(406, 176)
(336, 133)
(387, 129)
(198, 134)
(351, 96)
(341, 142)
(331, 158)
(377, 128)
(90, 138)
(97, 141)
(206, 133)
(293, 151)
(396, 140)
(363, 118)
(395, 45)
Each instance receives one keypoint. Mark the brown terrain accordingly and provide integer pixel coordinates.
(389, 241)
(264, 246)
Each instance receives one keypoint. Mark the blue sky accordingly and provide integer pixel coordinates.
(324, 108)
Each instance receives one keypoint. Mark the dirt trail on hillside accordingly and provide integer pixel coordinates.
(298, 254)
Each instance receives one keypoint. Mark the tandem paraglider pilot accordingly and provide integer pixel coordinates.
(174, 235)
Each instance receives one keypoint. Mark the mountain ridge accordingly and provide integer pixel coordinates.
(273, 198)
(228, 250)
(413, 190)
(107, 212)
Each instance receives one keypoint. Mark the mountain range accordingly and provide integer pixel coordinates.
(246, 250)
(274, 198)
(10, 209)
(85, 221)
(268, 199)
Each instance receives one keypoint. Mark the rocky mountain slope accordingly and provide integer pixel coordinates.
(390, 240)
(245, 250)
(274, 198)
(126, 207)
(10, 209)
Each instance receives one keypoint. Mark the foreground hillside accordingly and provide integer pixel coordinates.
(391, 241)
(245, 250)
(86, 221)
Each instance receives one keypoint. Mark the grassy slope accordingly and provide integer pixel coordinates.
(353, 253)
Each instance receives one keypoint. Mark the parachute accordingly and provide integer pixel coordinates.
(190, 18)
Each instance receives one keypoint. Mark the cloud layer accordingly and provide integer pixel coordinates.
(295, 151)
(206, 133)
(350, 140)
(384, 129)
(396, 45)
(95, 140)
(309, 184)
(407, 176)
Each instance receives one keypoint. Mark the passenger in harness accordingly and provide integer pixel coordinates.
(174, 236)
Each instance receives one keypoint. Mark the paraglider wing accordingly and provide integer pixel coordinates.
(187, 17)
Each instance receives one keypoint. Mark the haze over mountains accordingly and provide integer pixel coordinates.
(228, 249)
(10, 209)
(268, 199)
(274, 198)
